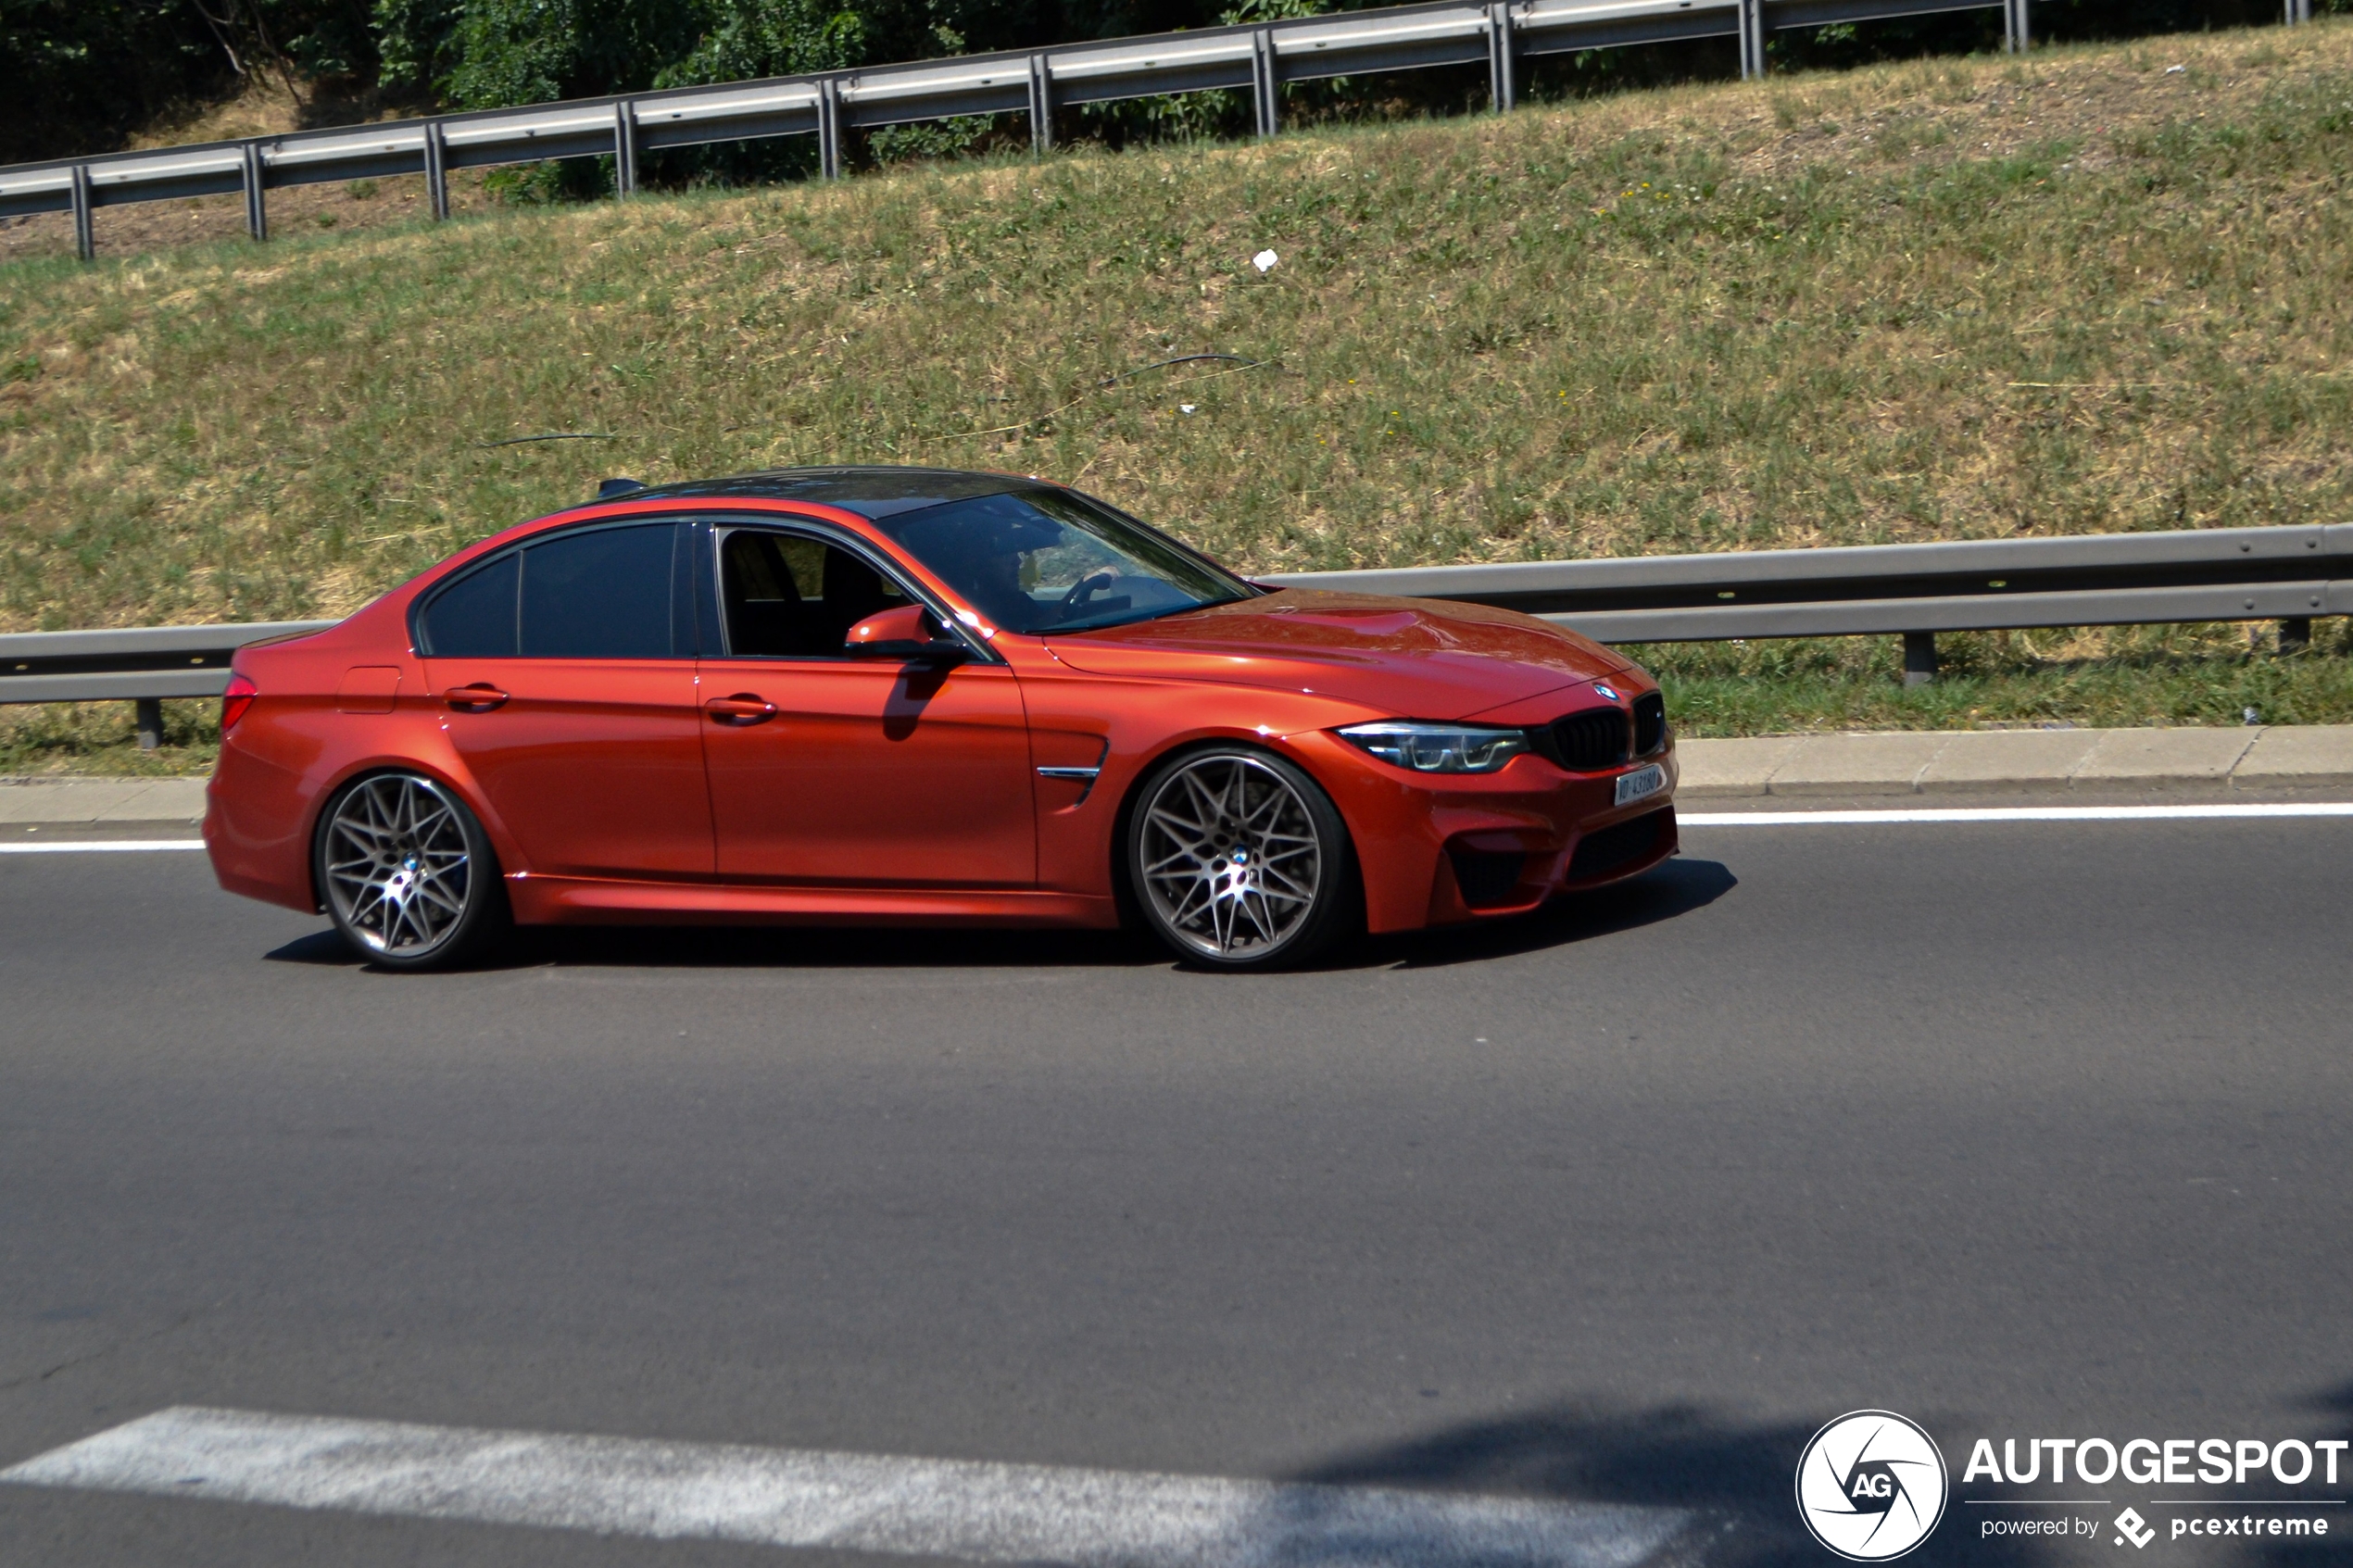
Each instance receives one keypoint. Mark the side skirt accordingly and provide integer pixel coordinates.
(562, 900)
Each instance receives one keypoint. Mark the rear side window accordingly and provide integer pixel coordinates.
(603, 594)
(474, 617)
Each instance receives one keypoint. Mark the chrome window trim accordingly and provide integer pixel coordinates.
(823, 533)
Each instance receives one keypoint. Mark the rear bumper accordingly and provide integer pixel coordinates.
(256, 829)
(1437, 850)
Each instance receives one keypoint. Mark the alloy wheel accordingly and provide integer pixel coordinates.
(1230, 858)
(398, 865)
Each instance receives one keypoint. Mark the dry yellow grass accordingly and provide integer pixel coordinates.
(2098, 290)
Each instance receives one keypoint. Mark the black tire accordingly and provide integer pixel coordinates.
(407, 873)
(1217, 860)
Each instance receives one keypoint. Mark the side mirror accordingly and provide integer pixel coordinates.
(908, 632)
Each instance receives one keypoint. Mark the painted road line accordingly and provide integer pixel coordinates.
(101, 846)
(863, 1502)
(2233, 813)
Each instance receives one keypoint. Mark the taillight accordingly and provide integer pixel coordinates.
(236, 700)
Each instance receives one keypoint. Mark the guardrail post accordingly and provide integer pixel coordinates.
(1041, 107)
(1919, 657)
(2015, 34)
(2299, 11)
(829, 127)
(2296, 633)
(1753, 37)
(85, 233)
(624, 149)
(257, 203)
(148, 719)
(1263, 81)
(1502, 88)
(436, 170)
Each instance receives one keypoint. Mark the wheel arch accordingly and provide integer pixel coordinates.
(501, 842)
(1123, 893)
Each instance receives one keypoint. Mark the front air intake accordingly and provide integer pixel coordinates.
(1591, 741)
(1650, 723)
(1598, 854)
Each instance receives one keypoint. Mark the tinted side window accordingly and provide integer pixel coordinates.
(474, 617)
(795, 598)
(599, 595)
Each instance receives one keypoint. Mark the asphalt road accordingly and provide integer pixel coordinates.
(2019, 1129)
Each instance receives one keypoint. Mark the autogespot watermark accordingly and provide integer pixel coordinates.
(2291, 1473)
(1871, 1485)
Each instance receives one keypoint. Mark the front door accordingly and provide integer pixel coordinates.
(868, 772)
(568, 678)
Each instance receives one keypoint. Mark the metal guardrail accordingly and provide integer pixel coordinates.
(2285, 574)
(138, 664)
(1260, 57)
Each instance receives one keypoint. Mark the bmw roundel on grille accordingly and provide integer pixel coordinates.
(1608, 692)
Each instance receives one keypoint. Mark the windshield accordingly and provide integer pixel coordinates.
(1047, 560)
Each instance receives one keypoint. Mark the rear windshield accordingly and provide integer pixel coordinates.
(1047, 560)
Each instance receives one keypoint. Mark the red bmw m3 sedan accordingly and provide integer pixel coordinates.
(836, 696)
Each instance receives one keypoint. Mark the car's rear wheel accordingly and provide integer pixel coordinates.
(1240, 861)
(408, 873)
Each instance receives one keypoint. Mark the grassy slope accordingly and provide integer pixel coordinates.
(1956, 299)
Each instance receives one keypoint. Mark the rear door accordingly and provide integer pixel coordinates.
(833, 771)
(566, 672)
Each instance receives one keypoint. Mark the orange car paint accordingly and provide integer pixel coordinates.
(616, 791)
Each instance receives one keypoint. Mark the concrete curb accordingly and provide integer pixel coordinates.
(2210, 762)
(71, 802)
(2186, 761)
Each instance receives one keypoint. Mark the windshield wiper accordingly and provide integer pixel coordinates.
(1125, 617)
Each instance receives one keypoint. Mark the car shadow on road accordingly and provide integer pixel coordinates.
(1664, 893)
(780, 946)
(1737, 1477)
(2337, 1550)
(1675, 888)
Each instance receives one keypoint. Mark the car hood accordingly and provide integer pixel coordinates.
(1412, 659)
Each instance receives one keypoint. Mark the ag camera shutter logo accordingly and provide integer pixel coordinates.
(1871, 1485)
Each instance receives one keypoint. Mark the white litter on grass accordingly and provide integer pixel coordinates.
(1188, 407)
(2176, 70)
(1264, 260)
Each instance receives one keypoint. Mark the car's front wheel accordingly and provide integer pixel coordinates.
(408, 873)
(1240, 861)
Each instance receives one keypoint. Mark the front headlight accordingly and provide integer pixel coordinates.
(1438, 748)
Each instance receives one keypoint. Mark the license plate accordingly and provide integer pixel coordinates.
(1639, 783)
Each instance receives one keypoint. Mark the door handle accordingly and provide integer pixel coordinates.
(478, 698)
(744, 708)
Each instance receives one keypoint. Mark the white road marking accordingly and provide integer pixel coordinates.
(2234, 812)
(865, 1502)
(106, 846)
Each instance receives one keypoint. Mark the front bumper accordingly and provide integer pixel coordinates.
(1439, 848)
